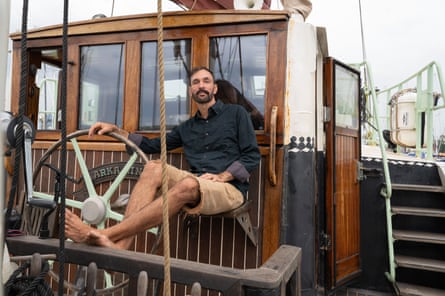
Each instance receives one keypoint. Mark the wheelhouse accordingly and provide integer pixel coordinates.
(278, 62)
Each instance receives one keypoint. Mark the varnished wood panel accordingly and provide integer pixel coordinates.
(342, 193)
(213, 240)
(347, 204)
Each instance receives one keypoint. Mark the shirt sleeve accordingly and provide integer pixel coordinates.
(249, 151)
(150, 146)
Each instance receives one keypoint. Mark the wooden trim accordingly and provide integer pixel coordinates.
(72, 95)
(330, 168)
(132, 87)
(15, 79)
(345, 131)
(272, 206)
(276, 82)
(175, 19)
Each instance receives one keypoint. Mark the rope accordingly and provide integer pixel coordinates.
(63, 148)
(165, 215)
(21, 284)
(22, 100)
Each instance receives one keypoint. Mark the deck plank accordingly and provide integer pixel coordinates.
(414, 290)
(418, 236)
(418, 211)
(420, 263)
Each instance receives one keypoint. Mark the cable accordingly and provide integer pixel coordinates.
(63, 148)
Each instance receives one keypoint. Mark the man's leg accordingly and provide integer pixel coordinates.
(145, 189)
(143, 193)
(183, 192)
(142, 211)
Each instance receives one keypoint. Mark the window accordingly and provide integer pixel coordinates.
(176, 68)
(346, 98)
(47, 80)
(101, 84)
(241, 60)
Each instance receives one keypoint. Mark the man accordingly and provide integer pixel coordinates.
(220, 146)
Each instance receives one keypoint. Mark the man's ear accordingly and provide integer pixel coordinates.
(215, 89)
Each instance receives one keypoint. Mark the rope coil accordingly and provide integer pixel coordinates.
(21, 284)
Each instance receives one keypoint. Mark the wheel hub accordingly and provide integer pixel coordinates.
(94, 210)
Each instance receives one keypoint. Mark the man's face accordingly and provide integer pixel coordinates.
(202, 87)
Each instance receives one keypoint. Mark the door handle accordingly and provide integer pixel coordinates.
(273, 143)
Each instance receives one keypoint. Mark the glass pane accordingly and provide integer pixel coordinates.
(241, 60)
(101, 84)
(346, 98)
(47, 79)
(176, 68)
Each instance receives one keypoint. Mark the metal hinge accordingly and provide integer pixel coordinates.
(360, 175)
(325, 242)
(326, 114)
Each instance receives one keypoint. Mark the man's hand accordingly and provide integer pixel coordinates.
(101, 128)
(221, 177)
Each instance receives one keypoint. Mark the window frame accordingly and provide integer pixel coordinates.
(276, 32)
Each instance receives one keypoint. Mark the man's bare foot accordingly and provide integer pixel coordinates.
(75, 229)
(97, 238)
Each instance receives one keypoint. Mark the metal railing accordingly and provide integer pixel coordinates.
(370, 94)
(426, 102)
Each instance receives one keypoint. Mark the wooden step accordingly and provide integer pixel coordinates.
(413, 290)
(420, 263)
(415, 187)
(418, 211)
(418, 236)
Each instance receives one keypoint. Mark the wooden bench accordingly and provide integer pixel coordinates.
(240, 214)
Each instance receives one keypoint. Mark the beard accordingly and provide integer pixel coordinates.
(202, 99)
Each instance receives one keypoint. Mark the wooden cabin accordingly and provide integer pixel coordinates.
(305, 191)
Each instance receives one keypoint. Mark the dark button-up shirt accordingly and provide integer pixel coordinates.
(225, 141)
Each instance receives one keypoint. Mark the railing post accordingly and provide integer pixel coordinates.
(429, 114)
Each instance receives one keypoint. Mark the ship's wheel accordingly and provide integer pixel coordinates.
(98, 194)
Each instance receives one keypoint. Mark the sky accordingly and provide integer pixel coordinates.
(400, 36)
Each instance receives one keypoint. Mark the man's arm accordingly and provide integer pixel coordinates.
(101, 128)
(225, 176)
(249, 151)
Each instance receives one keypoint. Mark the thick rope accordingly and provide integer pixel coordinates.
(63, 152)
(165, 215)
(21, 284)
(22, 100)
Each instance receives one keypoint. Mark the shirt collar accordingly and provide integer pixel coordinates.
(214, 110)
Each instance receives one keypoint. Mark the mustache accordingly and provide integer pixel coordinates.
(202, 91)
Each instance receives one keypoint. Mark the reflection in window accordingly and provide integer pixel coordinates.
(176, 67)
(101, 84)
(241, 60)
(346, 98)
(47, 80)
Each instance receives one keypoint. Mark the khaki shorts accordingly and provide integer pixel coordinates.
(216, 197)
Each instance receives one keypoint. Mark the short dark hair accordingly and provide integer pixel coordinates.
(199, 68)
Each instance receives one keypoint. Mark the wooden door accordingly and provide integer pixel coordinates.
(342, 89)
